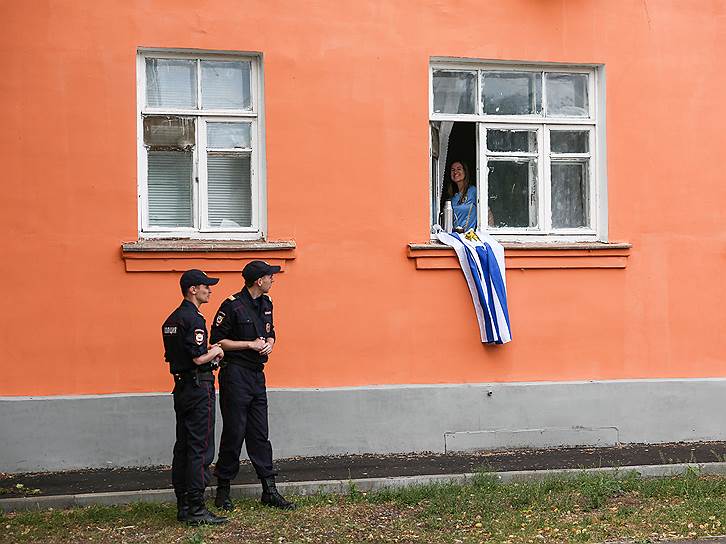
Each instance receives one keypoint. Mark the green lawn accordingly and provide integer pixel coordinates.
(589, 508)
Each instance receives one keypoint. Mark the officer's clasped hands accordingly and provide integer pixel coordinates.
(258, 344)
(216, 351)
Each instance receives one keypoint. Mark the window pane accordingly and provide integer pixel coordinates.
(569, 141)
(171, 83)
(567, 95)
(454, 92)
(512, 93)
(226, 85)
(165, 131)
(512, 140)
(513, 193)
(570, 195)
(230, 190)
(170, 188)
(228, 136)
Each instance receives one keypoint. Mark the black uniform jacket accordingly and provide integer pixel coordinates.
(185, 337)
(240, 317)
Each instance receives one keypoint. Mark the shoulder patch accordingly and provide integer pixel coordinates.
(199, 336)
(220, 317)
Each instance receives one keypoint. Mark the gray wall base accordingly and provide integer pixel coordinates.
(60, 433)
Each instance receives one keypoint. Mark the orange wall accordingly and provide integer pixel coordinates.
(346, 91)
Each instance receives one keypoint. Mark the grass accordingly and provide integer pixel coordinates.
(588, 508)
(19, 489)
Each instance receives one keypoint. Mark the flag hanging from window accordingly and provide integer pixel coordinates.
(482, 260)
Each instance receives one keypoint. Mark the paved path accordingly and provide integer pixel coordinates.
(302, 476)
(353, 467)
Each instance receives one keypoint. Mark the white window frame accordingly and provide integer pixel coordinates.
(595, 124)
(201, 229)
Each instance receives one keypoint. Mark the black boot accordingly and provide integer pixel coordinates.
(271, 497)
(199, 515)
(222, 500)
(182, 507)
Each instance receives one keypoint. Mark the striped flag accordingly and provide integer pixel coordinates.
(482, 260)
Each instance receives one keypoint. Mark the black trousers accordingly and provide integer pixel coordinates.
(243, 402)
(194, 448)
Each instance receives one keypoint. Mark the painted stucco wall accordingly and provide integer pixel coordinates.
(346, 115)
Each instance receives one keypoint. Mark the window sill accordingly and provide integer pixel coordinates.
(438, 256)
(176, 255)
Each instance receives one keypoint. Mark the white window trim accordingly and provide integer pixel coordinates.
(597, 156)
(258, 175)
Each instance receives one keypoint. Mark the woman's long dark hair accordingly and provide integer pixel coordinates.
(453, 189)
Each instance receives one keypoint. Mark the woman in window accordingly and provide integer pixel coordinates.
(464, 201)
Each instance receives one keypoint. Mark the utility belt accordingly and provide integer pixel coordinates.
(257, 367)
(194, 376)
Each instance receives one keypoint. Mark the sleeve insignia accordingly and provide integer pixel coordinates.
(267, 327)
(199, 336)
(220, 317)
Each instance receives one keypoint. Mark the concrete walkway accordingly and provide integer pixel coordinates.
(337, 474)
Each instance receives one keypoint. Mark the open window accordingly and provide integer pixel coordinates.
(534, 144)
(453, 142)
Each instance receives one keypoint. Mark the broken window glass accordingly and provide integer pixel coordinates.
(567, 95)
(170, 188)
(513, 192)
(171, 83)
(226, 85)
(169, 132)
(512, 140)
(229, 135)
(454, 92)
(570, 141)
(229, 185)
(512, 93)
(570, 194)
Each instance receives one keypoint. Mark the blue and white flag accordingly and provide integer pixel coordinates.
(482, 260)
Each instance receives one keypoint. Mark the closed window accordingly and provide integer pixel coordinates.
(532, 141)
(200, 146)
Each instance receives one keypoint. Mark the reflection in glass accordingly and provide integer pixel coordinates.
(570, 195)
(171, 83)
(229, 190)
(512, 93)
(454, 92)
(170, 188)
(513, 192)
(512, 140)
(567, 95)
(228, 136)
(226, 85)
(569, 141)
(168, 131)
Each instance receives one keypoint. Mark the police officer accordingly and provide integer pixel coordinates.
(244, 328)
(191, 363)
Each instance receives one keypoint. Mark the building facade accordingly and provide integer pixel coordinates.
(143, 139)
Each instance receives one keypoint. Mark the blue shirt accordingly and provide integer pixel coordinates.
(465, 212)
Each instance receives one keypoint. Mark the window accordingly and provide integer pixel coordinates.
(533, 140)
(200, 146)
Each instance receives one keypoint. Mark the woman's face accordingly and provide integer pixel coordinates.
(457, 173)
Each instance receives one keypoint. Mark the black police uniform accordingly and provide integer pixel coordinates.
(242, 391)
(185, 338)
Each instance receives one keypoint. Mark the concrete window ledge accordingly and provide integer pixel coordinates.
(437, 256)
(176, 255)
